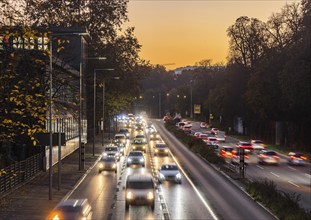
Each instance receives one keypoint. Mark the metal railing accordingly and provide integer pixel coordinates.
(17, 173)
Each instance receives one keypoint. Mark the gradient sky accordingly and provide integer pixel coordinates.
(186, 31)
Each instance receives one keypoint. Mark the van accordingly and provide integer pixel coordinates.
(139, 190)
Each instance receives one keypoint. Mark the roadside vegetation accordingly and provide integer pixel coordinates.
(284, 205)
(195, 145)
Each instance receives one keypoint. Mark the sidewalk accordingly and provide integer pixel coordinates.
(31, 201)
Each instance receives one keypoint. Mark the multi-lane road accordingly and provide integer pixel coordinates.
(203, 194)
(290, 179)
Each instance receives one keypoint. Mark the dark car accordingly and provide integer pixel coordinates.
(161, 149)
(139, 190)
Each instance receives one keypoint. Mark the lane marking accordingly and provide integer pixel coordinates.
(274, 174)
(293, 184)
(260, 167)
(196, 190)
(292, 168)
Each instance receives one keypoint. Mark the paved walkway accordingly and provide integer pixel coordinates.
(31, 201)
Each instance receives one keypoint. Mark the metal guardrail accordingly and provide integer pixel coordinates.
(15, 174)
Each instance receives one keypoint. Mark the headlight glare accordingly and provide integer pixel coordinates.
(178, 176)
(150, 195)
(129, 195)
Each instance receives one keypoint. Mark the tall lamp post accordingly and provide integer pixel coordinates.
(94, 106)
(51, 102)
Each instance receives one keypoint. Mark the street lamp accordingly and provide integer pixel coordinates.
(50, 104)
(94, 106)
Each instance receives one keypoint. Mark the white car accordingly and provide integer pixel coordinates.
(72, 209)
(258, 144)
(221, 136)
(169, 172)
(112, 151)
(135, 157)
(203, 125)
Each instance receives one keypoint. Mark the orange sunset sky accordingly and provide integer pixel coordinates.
(186, 31)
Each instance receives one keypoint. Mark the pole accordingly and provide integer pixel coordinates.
(191, 108)
(81, 164)
(159, 105)
(103, 113)
(50, 125)
(94, 113)
(59, 153)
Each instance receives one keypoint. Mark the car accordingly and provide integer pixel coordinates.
(169, 172)
(226, 152)
(245, 145)
(268, 157)
(139, 127)
(72, 209)
(139, 190)
(107, 164)
(214, 130)
(258, 145)
(120, 138)
(112, 151)
(211, 141)
(180, 125)
(161, 149)
(154, 136)
(125, 131)
(197, 134)
(135, 157)
(139, 144)
(220, 136)
(203, 136)
(296, 158)
(187, 128)
(203, 125)
(236, 156)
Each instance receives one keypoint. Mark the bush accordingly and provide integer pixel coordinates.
(282, 204)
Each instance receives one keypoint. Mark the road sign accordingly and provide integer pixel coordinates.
(197, 109)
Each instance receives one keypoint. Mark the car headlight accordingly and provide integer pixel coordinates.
(129, 160)
(156, 150)
(123, 141)
(144, 140)
(166, 150)
(114, 165)
(178, 176)
(150, 195)
(105, 154)
(144, 147)
(161, 176)
(134, 147)
(129, 195)
(101, 165)
(56, 217)
(121, 149)
(141, 159)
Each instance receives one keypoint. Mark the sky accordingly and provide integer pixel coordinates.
(177, 33)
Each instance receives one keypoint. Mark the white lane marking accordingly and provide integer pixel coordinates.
(307, 175)
(274, 174)
(260, 167)
(293, 184)
(196, 190)
(292, 168)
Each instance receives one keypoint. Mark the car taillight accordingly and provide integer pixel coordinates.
(229, 153)
(264, 156)
(246, 156)
(275, 156)
(304, 158)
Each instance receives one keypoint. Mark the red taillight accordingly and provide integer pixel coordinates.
(264, 156)
(246, 156)
(275, 156)
(228, 153)
(304, 158)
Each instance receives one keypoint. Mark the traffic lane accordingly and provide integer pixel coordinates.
(286, 180)
(227, 200)
(99, 189)
(181, 199)
(135, 212)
